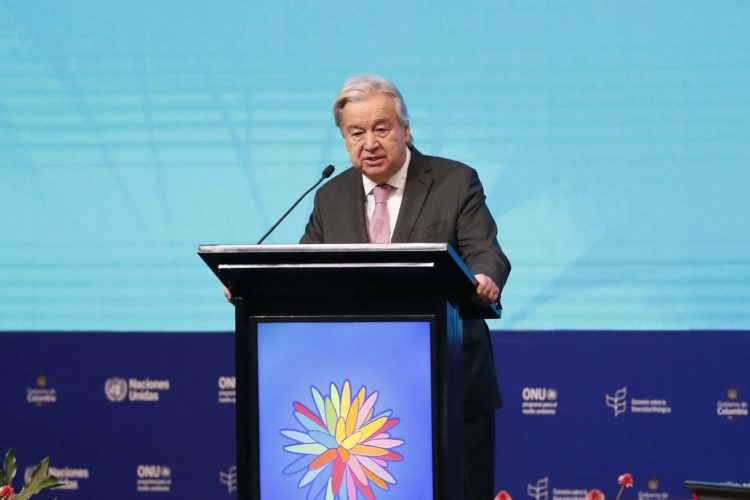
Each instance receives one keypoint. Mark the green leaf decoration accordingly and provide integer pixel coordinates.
(9, 467)
(39, 481)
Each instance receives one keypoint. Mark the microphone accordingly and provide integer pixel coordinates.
(325, 175)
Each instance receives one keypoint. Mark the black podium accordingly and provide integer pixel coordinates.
(348, 368)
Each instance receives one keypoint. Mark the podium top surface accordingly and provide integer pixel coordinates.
(710, 491)
(234, 264)
(218, 256)
(361, 248)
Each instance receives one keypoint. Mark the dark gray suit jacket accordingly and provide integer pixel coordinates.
(443, 202)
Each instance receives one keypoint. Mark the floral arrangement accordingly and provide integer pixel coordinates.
(595, 495)
(39, 480)
(626, 481)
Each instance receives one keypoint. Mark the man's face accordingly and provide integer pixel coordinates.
(374, 139)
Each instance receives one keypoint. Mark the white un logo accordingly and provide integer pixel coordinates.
(116, 389)
(618, 402)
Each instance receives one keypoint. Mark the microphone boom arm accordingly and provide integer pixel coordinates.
(326, 174)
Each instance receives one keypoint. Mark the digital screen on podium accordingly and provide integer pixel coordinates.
(345, 409)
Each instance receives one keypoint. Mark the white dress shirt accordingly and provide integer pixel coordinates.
(398, 181)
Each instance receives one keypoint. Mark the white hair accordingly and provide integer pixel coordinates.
(361, 87)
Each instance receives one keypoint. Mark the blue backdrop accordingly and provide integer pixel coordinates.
(613, 140)
(581, 408)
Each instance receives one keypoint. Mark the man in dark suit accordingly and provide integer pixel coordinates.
(393, 193)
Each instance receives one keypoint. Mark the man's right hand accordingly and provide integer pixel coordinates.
(228, 295)
(487, 291)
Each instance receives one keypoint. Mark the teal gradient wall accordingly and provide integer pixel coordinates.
(613, 140)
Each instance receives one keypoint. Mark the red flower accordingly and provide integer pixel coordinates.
(6, 492)
(595, 495)
(503, 495)
(626, 480)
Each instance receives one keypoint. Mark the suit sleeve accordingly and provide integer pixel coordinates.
(477, 234)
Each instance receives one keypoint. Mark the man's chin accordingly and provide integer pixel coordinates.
(376, 175)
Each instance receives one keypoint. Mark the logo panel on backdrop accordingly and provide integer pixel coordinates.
(41, 394)
(227, 389)
(731, 408)
(70, 477)
(154, 478)
(147, 390)
(539, 401)
(619, 404)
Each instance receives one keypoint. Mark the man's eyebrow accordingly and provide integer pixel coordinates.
(376, 123)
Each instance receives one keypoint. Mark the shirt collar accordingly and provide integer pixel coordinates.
(398, 180)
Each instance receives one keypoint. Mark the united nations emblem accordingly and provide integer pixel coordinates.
(116, 389)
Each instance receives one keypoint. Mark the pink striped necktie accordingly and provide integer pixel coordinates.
(380, 222)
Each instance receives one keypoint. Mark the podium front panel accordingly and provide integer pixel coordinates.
(345, 407)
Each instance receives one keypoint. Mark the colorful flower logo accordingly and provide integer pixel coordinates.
(345, 447)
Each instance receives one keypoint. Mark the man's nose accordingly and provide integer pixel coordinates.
(371, 141)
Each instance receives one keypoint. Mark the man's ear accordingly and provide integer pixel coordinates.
(407, 133)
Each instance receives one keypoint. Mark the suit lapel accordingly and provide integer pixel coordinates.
(418, 183)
